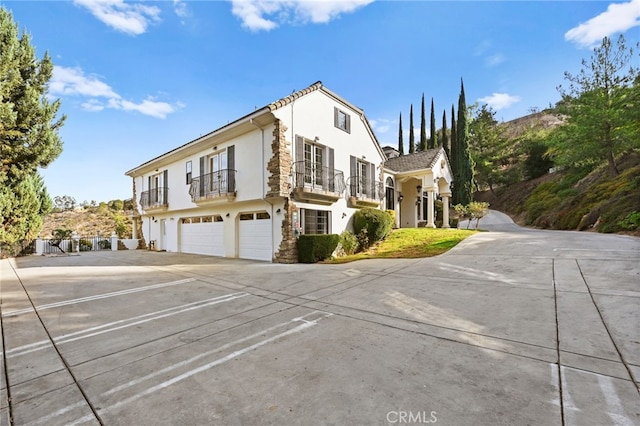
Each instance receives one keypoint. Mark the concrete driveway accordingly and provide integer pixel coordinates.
(512, 327)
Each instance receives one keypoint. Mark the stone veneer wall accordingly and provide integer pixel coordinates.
(288, 250)
(279, 167)
(280, 164)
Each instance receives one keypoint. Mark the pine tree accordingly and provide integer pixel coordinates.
(433, 140)
(444, 139)
(463, 189)
(423, 128)
(412, 142)
(400, 138)
(28, 134)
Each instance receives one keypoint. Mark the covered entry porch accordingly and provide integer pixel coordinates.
(415, 181)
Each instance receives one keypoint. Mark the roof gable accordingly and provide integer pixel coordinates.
(416, 161)
(260, 112)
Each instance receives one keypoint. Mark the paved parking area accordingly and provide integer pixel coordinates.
(511, 327)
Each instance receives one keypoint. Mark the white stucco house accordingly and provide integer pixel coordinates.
(301, 165)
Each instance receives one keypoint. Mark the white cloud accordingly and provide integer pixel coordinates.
(494, 60)
(92, 105)
(180, 8)
(499, 101)
(147, 107)
(265, 15)
(73, 82)
(618, 18)
(382, 125)
(129, 18)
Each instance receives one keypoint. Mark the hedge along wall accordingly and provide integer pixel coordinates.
(316, 247)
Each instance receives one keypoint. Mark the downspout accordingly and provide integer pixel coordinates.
(263, 195)
(261, 154)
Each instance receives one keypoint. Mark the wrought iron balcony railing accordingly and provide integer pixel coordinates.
(360, 187)
(154, 198)
(315, 176)
(221, 183)
(315, 183)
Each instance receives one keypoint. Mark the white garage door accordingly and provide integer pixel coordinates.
(254, 234)
(202, 235)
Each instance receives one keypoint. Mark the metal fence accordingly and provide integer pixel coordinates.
(92, 243)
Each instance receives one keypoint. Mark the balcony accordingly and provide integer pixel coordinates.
(364, 193)
(315, 183)
(214, 187)
(155, 199)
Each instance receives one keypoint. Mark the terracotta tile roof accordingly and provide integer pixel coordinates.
(295, 95)
(416, 161)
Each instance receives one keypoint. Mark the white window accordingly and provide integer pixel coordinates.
(189, 172)
(316, 221)
(363, 182)
(313, 164)
(342, 120)
(217, 167)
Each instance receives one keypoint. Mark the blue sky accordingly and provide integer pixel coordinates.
(137, 79)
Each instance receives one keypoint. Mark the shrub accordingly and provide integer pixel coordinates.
(363, 239)
(377, 223)
(315, 247)
(349, 242)
(85, 245)
(104, 244)
(392, 213)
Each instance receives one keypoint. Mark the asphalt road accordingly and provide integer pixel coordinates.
(511, 327)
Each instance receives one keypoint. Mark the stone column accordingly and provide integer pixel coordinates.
(75, 244)
(445, 210)
(39, 246)
(430, 208)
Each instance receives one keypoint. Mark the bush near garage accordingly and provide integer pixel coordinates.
(376, 222)
(316, 247)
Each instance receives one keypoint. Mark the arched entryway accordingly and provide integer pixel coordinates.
(390, 194)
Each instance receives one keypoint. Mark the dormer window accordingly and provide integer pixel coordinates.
(341, 120)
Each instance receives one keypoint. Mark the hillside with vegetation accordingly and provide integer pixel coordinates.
(570, 200)
(88, 219)
(575, 166)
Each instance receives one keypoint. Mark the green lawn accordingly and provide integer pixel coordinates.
(411, 243)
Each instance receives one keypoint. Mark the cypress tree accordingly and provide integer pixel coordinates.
(400, 138)
(454, 137)
(453, 157)
(423, 129)
(433, 140)
(444, 139)
(464, 187)
(412, 142)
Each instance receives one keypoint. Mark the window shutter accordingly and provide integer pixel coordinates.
(165, 179)
(231, 164)
(372, 181)
(298, 172)
(299, 148)
(348, 123)
(202, 173)
(332, 173)
(149, 184)
(329, 227)
(335, 117)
